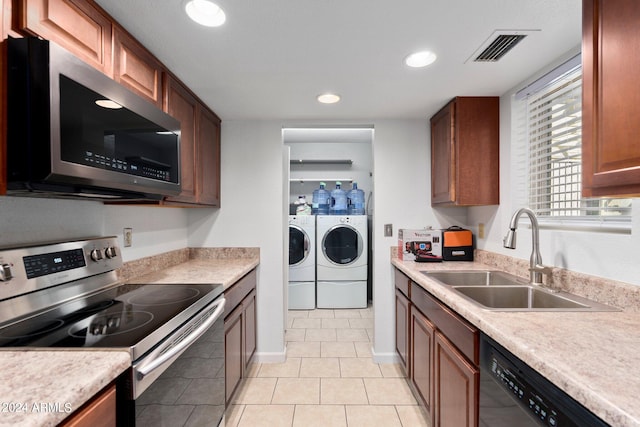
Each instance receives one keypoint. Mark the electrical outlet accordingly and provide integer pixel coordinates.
(388, 230)
(128, 237)
(481, 231)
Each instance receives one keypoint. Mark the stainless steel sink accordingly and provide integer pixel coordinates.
(475, 278)
(517, 297)
(499, 291)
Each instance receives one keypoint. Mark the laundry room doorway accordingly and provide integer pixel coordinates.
(326, 160)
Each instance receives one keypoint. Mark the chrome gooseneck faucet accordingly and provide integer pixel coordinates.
(535, 262)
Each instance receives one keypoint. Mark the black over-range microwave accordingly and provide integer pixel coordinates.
(73, 132)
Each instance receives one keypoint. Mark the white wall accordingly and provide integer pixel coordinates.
(25, 220)
(251, 215)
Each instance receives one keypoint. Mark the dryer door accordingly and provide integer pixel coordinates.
(342, 245)
(298, 245)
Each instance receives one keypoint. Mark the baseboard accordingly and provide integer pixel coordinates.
(270, 357)
(385, 357)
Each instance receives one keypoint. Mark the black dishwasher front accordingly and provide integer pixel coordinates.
(513, 394)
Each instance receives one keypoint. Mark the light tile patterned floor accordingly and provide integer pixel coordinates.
(329, 379)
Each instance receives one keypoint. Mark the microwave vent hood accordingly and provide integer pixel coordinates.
(63, 142)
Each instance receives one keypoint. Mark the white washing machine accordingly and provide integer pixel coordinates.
(302, 262)
(342, 261)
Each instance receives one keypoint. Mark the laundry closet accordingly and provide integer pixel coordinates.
(330, 231)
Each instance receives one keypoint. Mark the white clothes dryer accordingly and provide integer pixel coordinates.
(302, 262)
(342, 261)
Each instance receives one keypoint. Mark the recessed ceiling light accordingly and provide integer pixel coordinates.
(420, 59)
(205, 12)
(107, 103)
(328, 98)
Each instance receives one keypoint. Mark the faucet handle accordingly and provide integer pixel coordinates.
(542, 269)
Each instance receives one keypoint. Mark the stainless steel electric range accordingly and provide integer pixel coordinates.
(67, 295)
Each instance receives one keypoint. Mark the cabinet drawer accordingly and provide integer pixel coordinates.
(236, 293)
(402, 282)
(463, 335)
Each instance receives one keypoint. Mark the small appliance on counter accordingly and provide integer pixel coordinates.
(457, 244)
(419, 245)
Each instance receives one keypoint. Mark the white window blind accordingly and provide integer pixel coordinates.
(552, 115)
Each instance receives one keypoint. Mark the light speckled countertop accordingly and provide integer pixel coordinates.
(41, 388)
(593, 356)
(218, 271)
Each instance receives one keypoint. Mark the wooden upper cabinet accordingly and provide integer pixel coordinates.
(208, 157)
(77, 25)
(136, 68)
(5, 14)
(465, 152)
(3, 122)
(182, 105)
(610, 98)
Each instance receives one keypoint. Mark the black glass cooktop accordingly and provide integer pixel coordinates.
(118, 317)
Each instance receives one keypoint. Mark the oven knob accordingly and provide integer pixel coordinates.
(5, 272)
(96, 254)
(110, 252)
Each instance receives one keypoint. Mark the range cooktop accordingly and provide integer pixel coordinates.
(119, 317)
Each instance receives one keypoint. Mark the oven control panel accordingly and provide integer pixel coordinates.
(30, 268)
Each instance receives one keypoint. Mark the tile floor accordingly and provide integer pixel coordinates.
(329, 379)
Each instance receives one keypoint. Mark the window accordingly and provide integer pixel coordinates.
(548, 116)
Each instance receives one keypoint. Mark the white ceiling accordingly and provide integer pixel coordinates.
(273, 57)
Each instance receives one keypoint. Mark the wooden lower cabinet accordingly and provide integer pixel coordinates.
(240, 336)
(233, 352)
(100, 411)
(442, 357)
(402, 330)
(457, 385)
(249, 328)
(421, 359)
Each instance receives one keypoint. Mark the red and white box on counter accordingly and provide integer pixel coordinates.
(422, 243)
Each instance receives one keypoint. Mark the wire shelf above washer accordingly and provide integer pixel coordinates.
(321, 162)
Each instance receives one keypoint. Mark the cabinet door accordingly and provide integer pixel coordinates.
(249, 327)
(5, 14)
(402, 329)
(232, 351)
(77, 25)
(208, 143)
(3, 124)
(99, 412)
(421, 358)
(443, 156)
(135, 68)
(611, 98)
(457, 385)
(180, 104)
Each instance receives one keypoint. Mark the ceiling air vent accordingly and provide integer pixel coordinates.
(499, 47)
(498, 44)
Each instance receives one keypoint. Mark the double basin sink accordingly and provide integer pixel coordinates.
(499, 291)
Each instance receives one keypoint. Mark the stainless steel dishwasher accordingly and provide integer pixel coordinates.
(513, 394)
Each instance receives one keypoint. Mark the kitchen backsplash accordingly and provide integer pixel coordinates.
(140, 267)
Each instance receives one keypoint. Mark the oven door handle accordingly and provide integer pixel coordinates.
(184, 342)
